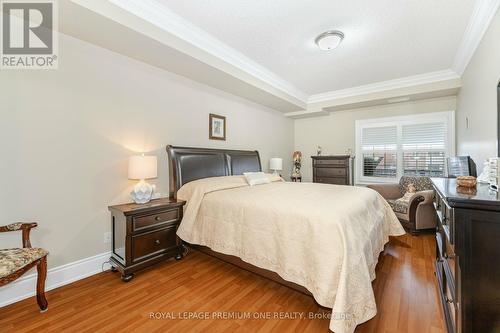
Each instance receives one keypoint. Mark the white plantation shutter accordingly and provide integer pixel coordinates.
(424, 149)
(379, 151)
(413, 145)
(380, 136)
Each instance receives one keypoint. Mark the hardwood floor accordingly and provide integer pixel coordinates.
(405, 290)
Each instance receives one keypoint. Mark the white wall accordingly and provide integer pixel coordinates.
(477, 99)
(66, 136)
(335, 133)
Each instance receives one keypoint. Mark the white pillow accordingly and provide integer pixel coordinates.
(256, 178)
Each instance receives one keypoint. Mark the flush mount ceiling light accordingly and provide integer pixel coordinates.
(329, 40)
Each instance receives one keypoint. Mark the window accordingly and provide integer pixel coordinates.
(379, 151)
(387, 148)
(424, 149)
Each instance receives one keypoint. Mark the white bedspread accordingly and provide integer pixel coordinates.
(326, 238)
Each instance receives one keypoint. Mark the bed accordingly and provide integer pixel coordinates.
(320, 239)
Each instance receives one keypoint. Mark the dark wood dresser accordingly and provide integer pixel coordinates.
(333, 169)
(467, 250)
(144, 234)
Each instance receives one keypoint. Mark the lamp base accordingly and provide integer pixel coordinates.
(142, 192)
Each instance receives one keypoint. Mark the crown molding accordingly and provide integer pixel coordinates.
(480, 20)
(306, 114)
(162, 17)
(404, 82)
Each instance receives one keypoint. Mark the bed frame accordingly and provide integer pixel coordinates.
(188, 164)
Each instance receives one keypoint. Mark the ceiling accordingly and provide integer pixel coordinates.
(384, 39)
(264, 51)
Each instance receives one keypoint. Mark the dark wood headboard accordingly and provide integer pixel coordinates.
(188, 164)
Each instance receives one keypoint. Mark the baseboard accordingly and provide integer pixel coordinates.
(59, 276)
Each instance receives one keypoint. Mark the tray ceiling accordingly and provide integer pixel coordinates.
(384, 39)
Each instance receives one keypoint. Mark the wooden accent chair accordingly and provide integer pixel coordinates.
(16, 262)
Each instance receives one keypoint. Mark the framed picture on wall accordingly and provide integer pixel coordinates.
(216, 127)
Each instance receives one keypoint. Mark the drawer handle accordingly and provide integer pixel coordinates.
(157, 242)
(157, 218)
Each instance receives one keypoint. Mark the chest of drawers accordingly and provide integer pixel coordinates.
(467, 251)
(334, 169)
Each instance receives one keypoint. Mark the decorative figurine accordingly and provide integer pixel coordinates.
(297, 161)
(484, 177)
(319, 151)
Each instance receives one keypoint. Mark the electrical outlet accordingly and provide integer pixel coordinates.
(107, 237)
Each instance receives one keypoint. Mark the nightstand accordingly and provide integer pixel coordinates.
(144, 234)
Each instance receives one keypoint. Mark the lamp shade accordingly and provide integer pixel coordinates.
(142, 167)
(276, 163)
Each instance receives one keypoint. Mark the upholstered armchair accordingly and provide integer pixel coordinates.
(417, 213)
(16, 262)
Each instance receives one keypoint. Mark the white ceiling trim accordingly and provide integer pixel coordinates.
(404, 82)
(162, 17)
(484, 11)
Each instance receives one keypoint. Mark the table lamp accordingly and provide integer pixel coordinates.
(141, 168)
(276, 164)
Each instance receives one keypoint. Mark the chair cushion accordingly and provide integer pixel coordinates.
(398, 205)
(11, 260)
(421, 183)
